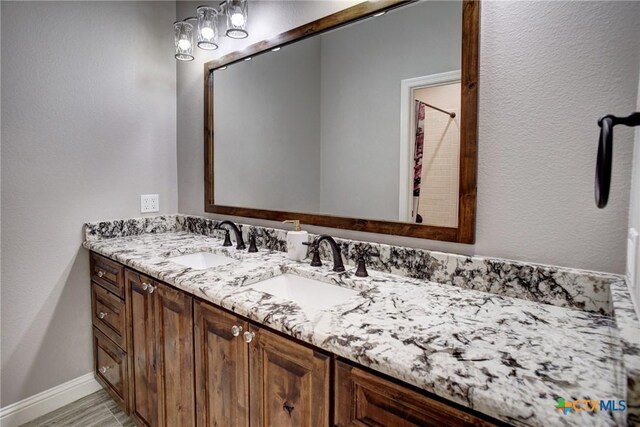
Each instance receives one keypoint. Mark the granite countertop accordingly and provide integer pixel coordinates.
(506, 357)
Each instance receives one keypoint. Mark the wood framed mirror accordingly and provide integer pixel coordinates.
(299, 126)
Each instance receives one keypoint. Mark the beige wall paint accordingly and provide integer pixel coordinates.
(88, 124)
(543, 84)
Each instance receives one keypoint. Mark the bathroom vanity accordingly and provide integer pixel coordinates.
(426, 339)
(171, 359)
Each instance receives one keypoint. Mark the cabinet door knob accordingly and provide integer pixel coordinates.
(145, 286)
(103, 369)
(102, 315)
(152, 288)
(101, 273)
(235, 330)
(248, 336)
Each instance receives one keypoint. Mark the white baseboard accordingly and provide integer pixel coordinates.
(49, 400)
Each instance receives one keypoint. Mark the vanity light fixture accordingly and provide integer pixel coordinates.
(209, 23)
(183, 35)
(207, 28)
(237, 14)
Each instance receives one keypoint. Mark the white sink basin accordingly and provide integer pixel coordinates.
(202, 260)
(312, 295)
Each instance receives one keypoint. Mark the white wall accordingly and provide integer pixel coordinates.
(88, 124)
(634, 208)
(548, 71)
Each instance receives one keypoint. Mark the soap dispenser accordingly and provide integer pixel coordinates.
(296, 240)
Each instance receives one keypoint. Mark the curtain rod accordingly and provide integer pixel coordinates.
(451, 114)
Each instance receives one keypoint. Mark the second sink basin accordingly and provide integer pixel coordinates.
(202, 260)
(312, 295)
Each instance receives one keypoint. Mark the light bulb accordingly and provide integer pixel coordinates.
(237, 19)
(184, 44)
(207, 33)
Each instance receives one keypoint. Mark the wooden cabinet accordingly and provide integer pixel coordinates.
(174, 348)
(170, 360)
(161, 353)
(110, 364)
(108, 274)
(109, 315)
(290, 382)
(364, 399)
(222, 368)
(108, 309)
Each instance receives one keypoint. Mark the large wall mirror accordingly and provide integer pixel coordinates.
(361, 120)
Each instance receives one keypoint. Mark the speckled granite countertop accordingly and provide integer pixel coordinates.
(502, 356)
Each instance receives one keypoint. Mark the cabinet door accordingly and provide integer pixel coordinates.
(141, 349)
(289, 383)
(174, 347)
(222, 368)
(363, 399)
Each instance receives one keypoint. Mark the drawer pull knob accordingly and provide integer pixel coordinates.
(102, 315)
(235, 330)
(145, 286)
(101, 273)
(248, 336)
(104, 369)
(152, 288)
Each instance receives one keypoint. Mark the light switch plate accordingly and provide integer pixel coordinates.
(149, 203)
(632, 256)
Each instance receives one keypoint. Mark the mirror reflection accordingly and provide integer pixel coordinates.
(360, 122)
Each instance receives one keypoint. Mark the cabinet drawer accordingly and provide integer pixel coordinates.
(109, 314)
(110, 363)
(363, 399)
(108, 274)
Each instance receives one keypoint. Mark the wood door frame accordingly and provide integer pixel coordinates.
(465, 232)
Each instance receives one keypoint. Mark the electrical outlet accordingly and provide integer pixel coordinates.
(149, 203)
(632, 257)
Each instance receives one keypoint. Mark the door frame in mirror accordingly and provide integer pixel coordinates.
(465, 232)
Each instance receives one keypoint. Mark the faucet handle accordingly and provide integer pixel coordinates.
(315, 261)
(361, 270)
(252, 243)
(227, 238)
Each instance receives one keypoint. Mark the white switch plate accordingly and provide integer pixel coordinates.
(632, 256)
(149, 203)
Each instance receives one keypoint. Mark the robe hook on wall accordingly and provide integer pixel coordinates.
(605, 153)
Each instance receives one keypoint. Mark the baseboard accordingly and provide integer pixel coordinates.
(49, 400)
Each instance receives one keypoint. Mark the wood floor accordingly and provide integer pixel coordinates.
(95, 410)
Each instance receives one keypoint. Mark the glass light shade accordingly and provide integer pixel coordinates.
(237, 14)
(207, 28)
(183, 32)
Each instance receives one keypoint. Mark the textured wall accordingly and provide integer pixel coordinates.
(548, 70)
(634, 211)
(88, 124)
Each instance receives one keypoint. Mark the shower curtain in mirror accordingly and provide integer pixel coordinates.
(417, 158)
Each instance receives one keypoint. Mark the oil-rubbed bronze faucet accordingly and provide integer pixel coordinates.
(239, 241)
(338, 266)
